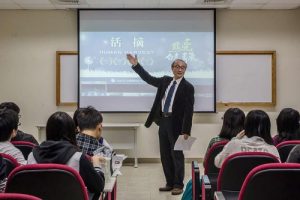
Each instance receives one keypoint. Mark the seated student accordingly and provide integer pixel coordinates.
(60, 148)
(255, 138)
(89, 139)
(287, 126)
(20, 136)
(8, 128)
(233, 123)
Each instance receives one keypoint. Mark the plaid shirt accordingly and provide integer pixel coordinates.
(91, 146)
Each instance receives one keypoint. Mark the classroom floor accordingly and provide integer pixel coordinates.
(142, 183)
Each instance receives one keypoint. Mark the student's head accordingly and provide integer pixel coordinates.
(90, 119)
(8, 124)
(233, 123)
(257, 123)
(60, 126)
(288, 123)
(10, 105)
(178, 68)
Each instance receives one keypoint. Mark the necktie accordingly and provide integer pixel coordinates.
(169, 97)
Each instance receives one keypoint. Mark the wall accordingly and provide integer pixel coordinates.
(29, 39)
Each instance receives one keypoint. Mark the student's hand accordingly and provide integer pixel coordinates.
(132, 59)
(240, 134)
(97, 160)
(185, 136)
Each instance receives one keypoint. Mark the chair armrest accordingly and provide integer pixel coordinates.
(206, 188)
(196, 187)
(205, 180)
(195, 164)
(219, 195)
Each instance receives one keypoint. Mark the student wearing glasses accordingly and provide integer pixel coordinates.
(8, 129)
(172, 111)
(20, 135)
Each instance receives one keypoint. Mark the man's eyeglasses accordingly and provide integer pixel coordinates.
(179, 67)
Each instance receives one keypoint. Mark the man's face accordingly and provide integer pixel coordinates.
(99, 131)
(178, 69)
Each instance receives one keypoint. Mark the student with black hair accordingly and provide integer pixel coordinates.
(60, 148)
(89, 138)
(287, 126)
(8, 128)
(233, 123)
(255, 138)
(20, 136)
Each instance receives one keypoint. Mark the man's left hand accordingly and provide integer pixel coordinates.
(185, 136)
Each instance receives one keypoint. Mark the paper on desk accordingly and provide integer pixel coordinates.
(184, 145)
(117, 161)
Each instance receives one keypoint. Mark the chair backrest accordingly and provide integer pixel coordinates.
(47, 181)
(11, 162)
(209, 163)
(285, 147)
(17, 196)
(272, 181)
(236, 167)
(24, 146)
(195, 180)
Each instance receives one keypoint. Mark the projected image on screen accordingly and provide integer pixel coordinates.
(106, 79)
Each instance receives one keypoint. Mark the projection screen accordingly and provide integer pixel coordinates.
(157, 37)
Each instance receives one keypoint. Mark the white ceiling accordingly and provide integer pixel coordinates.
(71, 4)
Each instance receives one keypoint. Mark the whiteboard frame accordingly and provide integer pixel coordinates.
(272, 55)
(59, 54)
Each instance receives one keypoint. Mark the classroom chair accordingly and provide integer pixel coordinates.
(285, 147)
(236, 167)
(17, 196)
(211, 172)
(47, 181)
(11, 162)
(276, 181)
(195, 181)
(24, 146)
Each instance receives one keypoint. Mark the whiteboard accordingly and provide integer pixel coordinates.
(66, 78)
(242, 78)
(246, 77)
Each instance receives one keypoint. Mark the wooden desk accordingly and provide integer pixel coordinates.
(117, 134)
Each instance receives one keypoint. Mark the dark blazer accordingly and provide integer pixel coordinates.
(183, 105)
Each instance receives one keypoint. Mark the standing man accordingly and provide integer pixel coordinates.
(172, 111)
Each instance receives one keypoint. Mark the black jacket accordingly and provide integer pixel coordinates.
(21, 136)
(60, 152)
(183, 105)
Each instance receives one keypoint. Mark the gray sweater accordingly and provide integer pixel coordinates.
(10, 149)
(245, 144)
